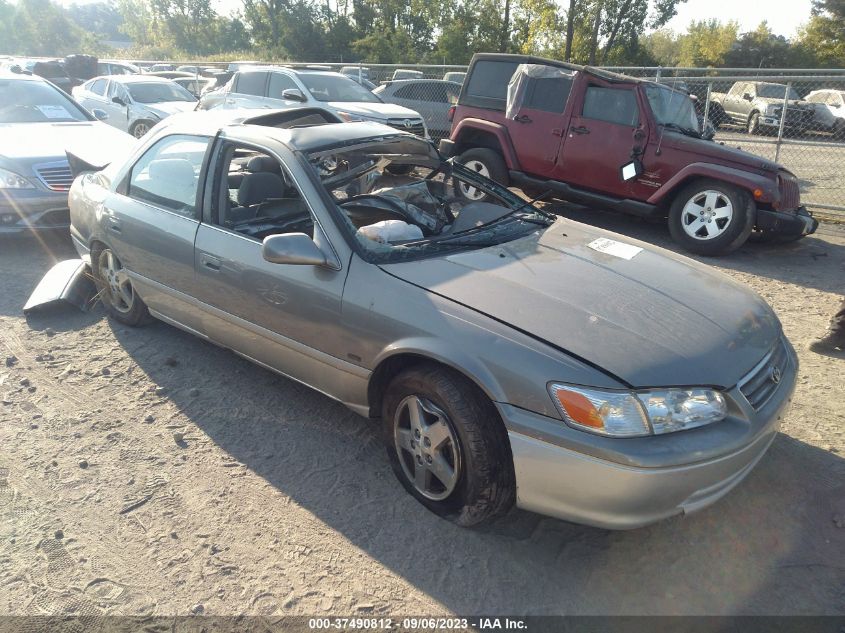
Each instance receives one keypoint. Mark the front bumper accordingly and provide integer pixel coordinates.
(797, 223)
(33, 210)
(556, 480)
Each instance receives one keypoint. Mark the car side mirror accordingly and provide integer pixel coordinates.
(747, 96)
(118, 101)
(293, 94)
(292, 248)
(708, 131)
(100, 115)
(631, 170)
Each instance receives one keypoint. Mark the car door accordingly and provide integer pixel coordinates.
(538, 126)
(248, 90)
(118, 114)
(287, 317)
(733, 99)
(94, 96)
(151, 221)
(279, 82)
(605, 127)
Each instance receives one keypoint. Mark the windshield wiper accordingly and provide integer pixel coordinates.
(683, 130)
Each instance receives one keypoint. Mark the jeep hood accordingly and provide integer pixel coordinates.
(657, 319)
(714, 151)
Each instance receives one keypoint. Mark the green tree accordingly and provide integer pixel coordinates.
(824, 35)
(759, 48)
(707, 42)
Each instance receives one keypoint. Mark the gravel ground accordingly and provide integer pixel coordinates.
(147, 472)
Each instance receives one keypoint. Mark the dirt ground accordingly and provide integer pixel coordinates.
(147, 472)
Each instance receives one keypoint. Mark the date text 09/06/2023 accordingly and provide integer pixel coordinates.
(418, 623)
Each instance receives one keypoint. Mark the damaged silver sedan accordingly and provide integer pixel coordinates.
(512, 357)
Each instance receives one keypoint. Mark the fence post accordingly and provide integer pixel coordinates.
(782, 118)
(707, 101)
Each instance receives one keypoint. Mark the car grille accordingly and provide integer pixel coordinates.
(794, 116)
(790, 195)
(762, 382)
(414, 126)
(56, 176)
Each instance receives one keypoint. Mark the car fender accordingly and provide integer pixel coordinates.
(500, 132)
(745, 179)
(440, 351)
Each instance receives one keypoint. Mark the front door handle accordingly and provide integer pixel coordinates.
(522, 118)
(114, 225)
(580, 130)
(212, 263)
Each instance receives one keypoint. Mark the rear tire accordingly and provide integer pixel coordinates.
(115, 289)
(447, 445)
(711, 217)
(485, 162)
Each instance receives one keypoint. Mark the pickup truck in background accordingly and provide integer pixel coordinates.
(757, 106)
(618, 143)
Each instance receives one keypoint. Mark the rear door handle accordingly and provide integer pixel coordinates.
(580, 130)
(212, 263)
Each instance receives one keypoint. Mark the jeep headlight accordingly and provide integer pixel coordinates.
(637, 413)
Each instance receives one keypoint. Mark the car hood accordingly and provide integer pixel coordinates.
(791, 103)
(657, 319)
(167, 108)
(28, 143)
(375, 111)
(716, 151)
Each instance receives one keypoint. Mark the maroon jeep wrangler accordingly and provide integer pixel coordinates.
(618, 143)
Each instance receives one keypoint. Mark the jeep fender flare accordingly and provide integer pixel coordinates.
(747, 180)
(499, 132)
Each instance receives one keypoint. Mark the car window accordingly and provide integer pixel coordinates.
(833, 99)
(251, 83)
(548, 94)
(159, 92)
(411, 91)
(279, 82)
(167, 175)
(255, 195)
(490, 79)
(613, 105)
(818, 97)
(736, 90)
(331, 87)
(98, 87)
(117, 90)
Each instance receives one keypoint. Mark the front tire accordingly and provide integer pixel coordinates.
(710, 217)
(447, 445)
(140, 128)
(116, 291)
(485, 162)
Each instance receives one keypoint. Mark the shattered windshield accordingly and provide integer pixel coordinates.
(673, 108)
(400, 200)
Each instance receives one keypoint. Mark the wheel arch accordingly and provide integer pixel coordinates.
(398, 359)
(470, 133)
(747, 181)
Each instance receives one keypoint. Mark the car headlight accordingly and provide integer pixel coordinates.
(637, 413)
(11, 180)
(349, 117)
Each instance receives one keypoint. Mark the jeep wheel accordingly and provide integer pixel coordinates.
(754, 123)
(710, 217)
(484, 162)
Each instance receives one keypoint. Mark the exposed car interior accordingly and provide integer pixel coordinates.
(260, 198)
(398, 195)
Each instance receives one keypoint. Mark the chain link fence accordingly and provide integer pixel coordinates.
(792, 116)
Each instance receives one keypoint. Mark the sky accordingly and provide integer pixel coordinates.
(784, 16)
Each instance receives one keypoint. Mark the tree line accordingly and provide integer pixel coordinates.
(603, 32)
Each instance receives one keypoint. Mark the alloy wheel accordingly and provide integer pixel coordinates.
(140, 129)
(427, 446)
(118, 286)
(707, 215)
(467, 190)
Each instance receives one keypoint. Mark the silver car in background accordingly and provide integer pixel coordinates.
(431, 98)
(38, 123)
(134, 103)
(513, 357)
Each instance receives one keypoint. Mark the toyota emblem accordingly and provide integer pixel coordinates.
(408, 123)
(775, 375)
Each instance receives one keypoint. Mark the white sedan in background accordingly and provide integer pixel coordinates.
(829, 106)
(134, 103)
